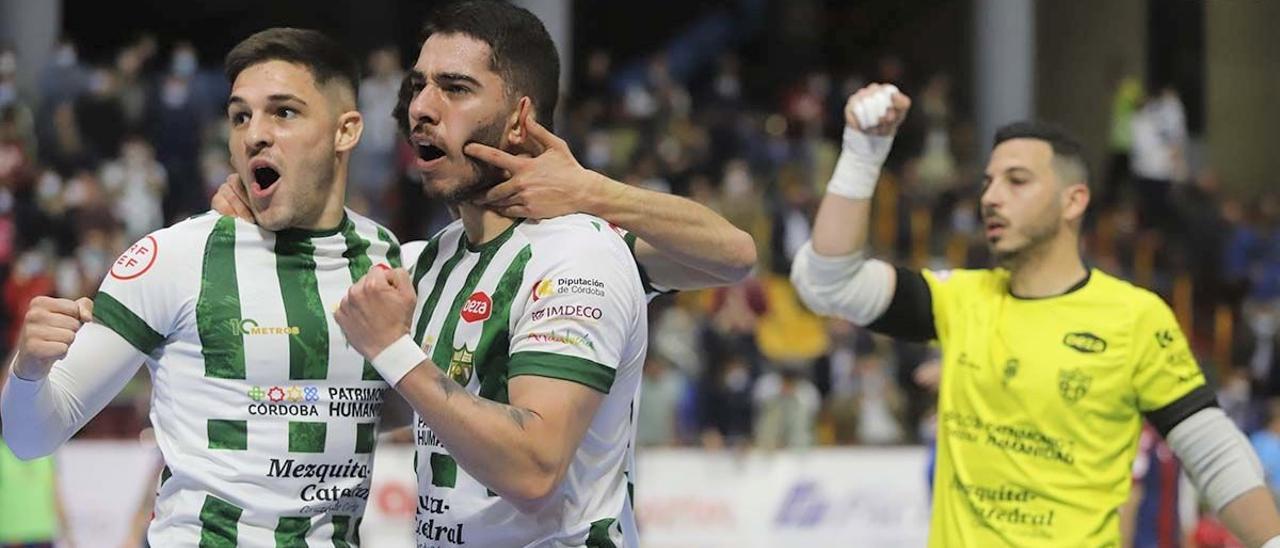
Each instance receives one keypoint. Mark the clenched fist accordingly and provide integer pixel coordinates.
(47, 333)
(377, 310)
(877, 109)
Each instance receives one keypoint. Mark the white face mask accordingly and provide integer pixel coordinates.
(8, 64)
(175, 93)
(65, 57)
(31, 264)
(184, 63)
(93, 261)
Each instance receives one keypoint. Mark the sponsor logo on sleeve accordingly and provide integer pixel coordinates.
(136, 260)
(566, 311)
(567, 286)
(1165, 337)
(477, 308)
(563, 337)
(1084, 342)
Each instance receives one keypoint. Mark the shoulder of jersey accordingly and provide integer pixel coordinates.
(187, 236)
(365, 224)
(969, 277)
(168, 250)
(1124, 290)
(579, 226)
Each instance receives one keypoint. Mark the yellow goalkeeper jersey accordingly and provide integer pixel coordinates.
(1041, 405)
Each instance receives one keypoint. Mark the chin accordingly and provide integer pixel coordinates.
(274, 221)
(451, 189)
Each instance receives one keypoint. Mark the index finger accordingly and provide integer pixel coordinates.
(542, 135)
(65, 307)
(493, 156)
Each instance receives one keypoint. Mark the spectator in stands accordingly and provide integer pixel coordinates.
(373, 162)
(664, 388)
(786, 407)
(1159, 157)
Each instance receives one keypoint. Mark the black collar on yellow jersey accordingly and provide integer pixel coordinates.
(1088, 273)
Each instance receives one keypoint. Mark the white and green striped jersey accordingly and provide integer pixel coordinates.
(560, 298)
(265, 416)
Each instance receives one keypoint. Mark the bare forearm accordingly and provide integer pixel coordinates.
(1252, 517)
(500, 445)
(841, 226)
(681, 229)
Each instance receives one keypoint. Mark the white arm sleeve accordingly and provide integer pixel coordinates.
(851, 287)
(1217, 456)
(40, 415)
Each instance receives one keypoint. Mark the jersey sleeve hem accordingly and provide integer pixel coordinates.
(115, 316)
(645, 281)
(1167, 417)
(588, 373)
(910, 313)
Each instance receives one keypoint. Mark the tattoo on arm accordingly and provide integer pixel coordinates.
(449, 387)
(517, 415)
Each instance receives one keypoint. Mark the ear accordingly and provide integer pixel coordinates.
(517, 128)
(1075, 201)
(350, 127)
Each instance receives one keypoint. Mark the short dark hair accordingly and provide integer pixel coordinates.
(1067, 150)
(521, 50)
(325, 58)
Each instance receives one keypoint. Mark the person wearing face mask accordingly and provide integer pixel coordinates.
(1049, 367)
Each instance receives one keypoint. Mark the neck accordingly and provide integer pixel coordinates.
(481, 224)
(1047, 270)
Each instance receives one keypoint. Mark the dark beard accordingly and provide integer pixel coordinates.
(484, 176)
(1036, 239)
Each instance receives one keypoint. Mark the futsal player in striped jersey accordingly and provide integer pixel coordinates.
(264, 415)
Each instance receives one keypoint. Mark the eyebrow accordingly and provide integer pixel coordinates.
(1016, 169)
(457, 77)
(275, 98)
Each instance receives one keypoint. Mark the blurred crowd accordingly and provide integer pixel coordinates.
(107, 153)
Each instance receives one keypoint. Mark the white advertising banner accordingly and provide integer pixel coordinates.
(684, 497)
(828, 497)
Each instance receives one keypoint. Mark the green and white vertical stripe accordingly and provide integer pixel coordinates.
(256, 377)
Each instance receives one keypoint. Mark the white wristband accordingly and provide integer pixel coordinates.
(395, 361)
(858, 168)
(1273, 543)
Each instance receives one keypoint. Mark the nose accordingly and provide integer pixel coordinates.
(259, 134)
(992, 196)
(424, 108)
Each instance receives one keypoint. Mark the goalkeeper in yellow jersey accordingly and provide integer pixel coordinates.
(1048, 366)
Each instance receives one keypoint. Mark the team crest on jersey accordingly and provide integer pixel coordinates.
(461, 365)
(477, 308)
(1073, 384)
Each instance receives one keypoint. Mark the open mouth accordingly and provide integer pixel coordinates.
(266, 176)
(429, 152)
